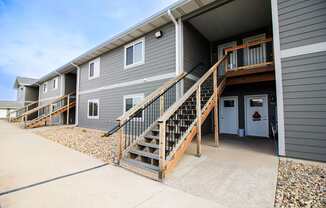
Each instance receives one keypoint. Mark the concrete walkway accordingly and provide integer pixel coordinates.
(241, 173)
(35, 172)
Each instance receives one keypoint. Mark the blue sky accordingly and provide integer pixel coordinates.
(38, 36)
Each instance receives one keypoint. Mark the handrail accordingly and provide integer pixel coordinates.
(129, 115)
(45, 105)
(247, 45)
(158, 92)
(25, 108)
(176, 105)
(46, 115)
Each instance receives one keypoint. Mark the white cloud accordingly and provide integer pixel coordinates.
(37, 49)
(42, 36)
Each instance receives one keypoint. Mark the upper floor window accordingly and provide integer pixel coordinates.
(45, 87)
(55, 83)
(94, 69)
(93, 109)
(134, 53)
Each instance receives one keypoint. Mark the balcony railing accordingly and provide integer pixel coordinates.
(253, 54)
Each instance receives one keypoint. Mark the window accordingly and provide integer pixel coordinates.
(94, 69)
(45, 87)
(134, 53)
(93, 109)
(228, 103)
(130, 101)
(256, 102)
(55, 83)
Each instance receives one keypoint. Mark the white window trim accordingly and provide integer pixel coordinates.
(56, 80)
(98, 108)
(96, 74)
(141, 95)
(45, 90)
(125, 54)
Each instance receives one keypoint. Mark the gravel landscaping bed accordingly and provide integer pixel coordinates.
(301, 184)
(88, 141)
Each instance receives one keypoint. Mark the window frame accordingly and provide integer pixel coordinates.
(139, 95)
(98, 108)
(45, 87)
(141, 40)
(97, 71)
(55, 83)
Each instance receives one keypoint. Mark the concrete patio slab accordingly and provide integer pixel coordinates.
(242, 172)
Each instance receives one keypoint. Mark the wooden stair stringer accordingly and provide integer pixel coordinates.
(172, 163)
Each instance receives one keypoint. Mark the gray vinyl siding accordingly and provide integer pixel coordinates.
(196, 48)
(301, 22)
(110, 104)
(21, 94)
(159, 59)
(51, 92)
(31, 93)
(70, 83)
(304, 92)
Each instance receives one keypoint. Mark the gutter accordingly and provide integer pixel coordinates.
(77, 92)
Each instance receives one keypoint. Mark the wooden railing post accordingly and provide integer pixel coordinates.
(216, 130)
(162, 148)
(120, 141)
(198, 110)
(161, 105)
(50, 112)
(68, 102)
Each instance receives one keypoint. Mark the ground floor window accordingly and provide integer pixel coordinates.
(131, 100)
(93, 109)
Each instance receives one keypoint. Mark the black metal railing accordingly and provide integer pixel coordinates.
(147, 115)
(179, 120)
(179, 123)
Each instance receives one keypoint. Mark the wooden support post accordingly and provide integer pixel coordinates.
(162, 149)
(68, 102)
(25, 120)
(120, 142)
(198, 110)
(161, 105)
(50, 112)
(216, 131)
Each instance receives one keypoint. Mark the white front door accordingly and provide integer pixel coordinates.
(229, 115)
(257, 115)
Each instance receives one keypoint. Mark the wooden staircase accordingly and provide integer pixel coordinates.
(43, 114)
(43, 120)
(19, 114)
(154, 135)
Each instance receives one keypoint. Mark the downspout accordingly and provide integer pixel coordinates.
(77, 93)
(178, 57)
(62, 90)
(177, 45)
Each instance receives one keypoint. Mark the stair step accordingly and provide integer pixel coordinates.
(147, 144)
(139, 168)
(148, 136)
(143, 153)
(141, 164)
